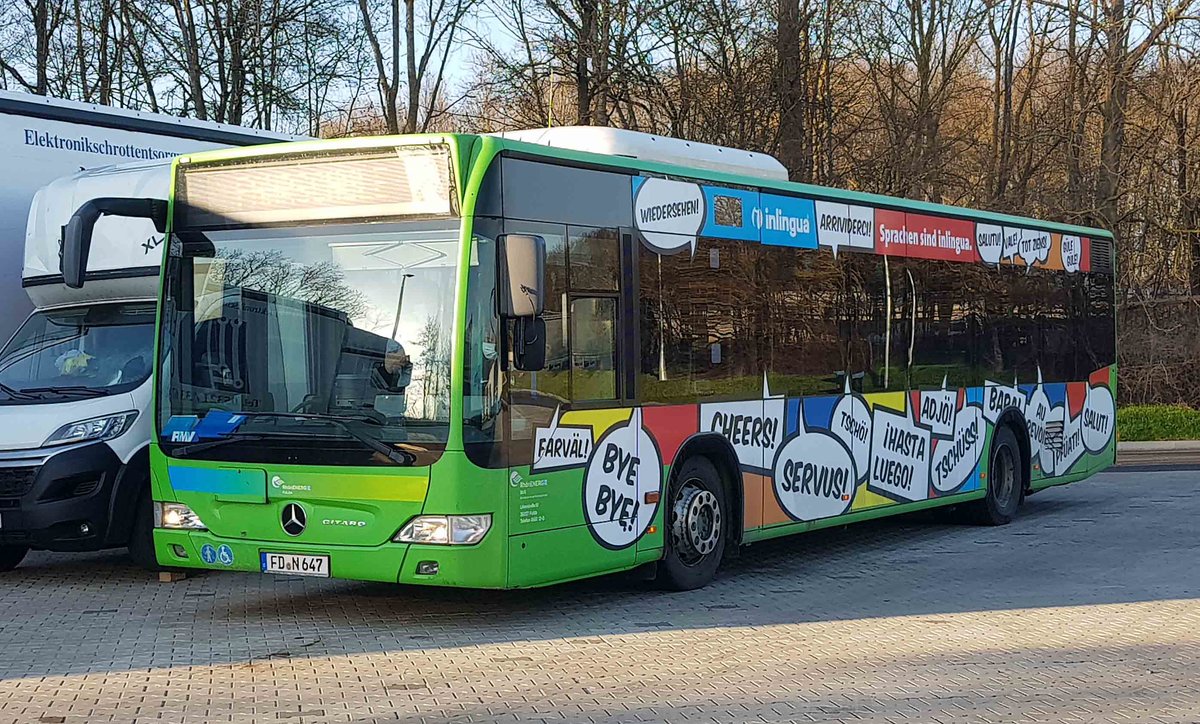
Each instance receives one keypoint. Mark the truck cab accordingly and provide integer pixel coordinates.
(75, 379)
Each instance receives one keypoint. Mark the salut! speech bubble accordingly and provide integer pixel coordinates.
(997, 398)
(561, 446)
(754, 428)
(937, 410)
(899, 456)
(625, 466)
(989, 239)
(814, 474)
(955, 459)
(851, 423)
(1099, 419)
(669, 214)
(1035, 246)
(1072, 252)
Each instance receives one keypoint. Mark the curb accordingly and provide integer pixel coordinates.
(1165, 452)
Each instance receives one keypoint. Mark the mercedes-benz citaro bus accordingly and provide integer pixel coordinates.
(508, 361)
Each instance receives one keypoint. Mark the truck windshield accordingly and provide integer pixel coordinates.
(289, 344)
(66, 354)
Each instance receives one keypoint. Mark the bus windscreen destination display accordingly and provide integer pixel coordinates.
(721, 363)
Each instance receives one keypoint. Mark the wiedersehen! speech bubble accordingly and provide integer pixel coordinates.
(668, 214)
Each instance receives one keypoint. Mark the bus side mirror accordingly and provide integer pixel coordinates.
(77, 234)
(521, 275)
(529, 344)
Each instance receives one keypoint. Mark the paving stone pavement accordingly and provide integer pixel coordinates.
(1085, 609)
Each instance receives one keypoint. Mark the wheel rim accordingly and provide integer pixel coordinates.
(1004, 474)
(696, 523)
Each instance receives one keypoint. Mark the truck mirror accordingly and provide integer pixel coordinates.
(529, 344)
(77, 234)
(522, 271)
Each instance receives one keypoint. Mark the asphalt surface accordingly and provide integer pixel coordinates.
(1084, 609)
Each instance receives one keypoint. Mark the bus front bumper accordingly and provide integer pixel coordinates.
(477, 566)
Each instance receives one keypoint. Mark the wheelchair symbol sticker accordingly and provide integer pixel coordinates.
(208, 554)
(225, 555)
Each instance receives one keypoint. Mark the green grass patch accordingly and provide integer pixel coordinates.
(1139, 423)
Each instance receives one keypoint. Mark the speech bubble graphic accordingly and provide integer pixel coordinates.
(1070, 448)
(669, 214)
(814, 474)
(899, 456)
(1012, 243)
(1035, 246)
(1052, 445)
(1037, 415)
(989, 239)
(1099, 419)
(937, 410)
(624, 467)
(841, 225)
(955, 459)
(1072, 252)
(754, 428)
(559, 447)
(851, 424)
(999, 397)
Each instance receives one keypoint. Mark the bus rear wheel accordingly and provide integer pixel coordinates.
(1006, 481)
(11, 556)
(696, 526)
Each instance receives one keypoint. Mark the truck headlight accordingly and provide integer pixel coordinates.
(96, 428)
(176, 516)
(453, 530)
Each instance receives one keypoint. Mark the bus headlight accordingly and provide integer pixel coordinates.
(176, 516)
(97, 428)
(453, 530)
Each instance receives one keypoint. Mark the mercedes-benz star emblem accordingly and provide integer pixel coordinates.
(294, 519)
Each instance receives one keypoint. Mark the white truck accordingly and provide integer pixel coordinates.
(75, 377)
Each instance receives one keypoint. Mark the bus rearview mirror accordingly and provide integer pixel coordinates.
(77, 234)
(522, 272)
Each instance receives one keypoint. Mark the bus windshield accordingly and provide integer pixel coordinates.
(294, 339)
(67, 354)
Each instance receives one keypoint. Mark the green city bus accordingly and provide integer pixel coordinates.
(501, 361)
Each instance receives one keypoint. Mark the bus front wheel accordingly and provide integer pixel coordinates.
(1006, 483)
(141, 536)
(696, 526)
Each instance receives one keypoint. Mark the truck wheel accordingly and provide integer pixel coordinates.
(11, 556)
(695, 526)
(1006, 481)
(141, 537)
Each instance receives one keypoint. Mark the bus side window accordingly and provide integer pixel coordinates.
(943, 342)
(700, 322)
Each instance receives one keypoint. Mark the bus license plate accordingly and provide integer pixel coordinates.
(293, 564)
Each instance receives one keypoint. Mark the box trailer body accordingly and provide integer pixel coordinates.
(75, 372)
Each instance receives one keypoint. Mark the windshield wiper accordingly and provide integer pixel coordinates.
(195, 447)
(16, 394)
(343, 423)
(67, 390)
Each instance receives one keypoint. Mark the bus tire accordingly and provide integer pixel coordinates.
(141, 535)
(1006, 484)
(696, 526)
(11, 556)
